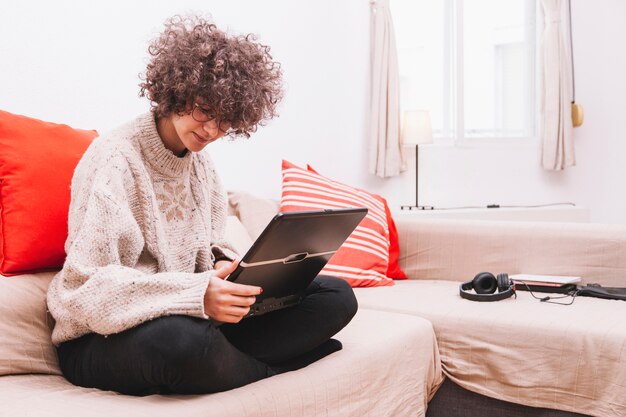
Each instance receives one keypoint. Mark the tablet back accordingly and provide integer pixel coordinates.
(291, 251)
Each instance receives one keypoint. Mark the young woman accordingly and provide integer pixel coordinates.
(141, 304)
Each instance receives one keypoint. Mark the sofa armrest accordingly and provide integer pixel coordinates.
(458, 249)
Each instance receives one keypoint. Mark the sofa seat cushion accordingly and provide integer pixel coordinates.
(571, 358)
(389, 366)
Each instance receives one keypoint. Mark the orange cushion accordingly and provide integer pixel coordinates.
(37, 161)
(363, 259)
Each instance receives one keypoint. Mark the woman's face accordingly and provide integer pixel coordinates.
(186, 132)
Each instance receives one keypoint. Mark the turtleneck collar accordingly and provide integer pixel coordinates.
(156, 154)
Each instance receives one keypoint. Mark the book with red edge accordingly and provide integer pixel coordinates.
(545, 283)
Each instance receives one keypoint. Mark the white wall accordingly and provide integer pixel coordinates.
(600, 58)
(511, 175)
(77, 62)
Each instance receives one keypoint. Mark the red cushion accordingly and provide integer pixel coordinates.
(37, 161)
(393, 269)
(363, 259)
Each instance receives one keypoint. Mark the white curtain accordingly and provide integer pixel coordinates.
(386, 158)
(556, 91)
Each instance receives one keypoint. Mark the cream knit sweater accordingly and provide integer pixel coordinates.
(145, 227)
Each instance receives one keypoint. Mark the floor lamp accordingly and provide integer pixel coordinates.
(416, 130)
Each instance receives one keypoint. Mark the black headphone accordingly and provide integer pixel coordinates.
(485, 285)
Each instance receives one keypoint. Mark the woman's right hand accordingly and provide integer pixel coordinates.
(225, 301)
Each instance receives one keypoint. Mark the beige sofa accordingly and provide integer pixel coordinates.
(520, 350)
(517, 351)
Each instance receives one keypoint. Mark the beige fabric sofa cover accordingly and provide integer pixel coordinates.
(389, 366)
(570, 358)
(457, 249)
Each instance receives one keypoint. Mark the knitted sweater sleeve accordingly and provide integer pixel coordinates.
(100, 288)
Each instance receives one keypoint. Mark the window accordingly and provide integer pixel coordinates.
(471, 63)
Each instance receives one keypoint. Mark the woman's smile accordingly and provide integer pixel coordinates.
(201, 139)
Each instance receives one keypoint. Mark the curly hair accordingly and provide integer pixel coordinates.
(193, 61)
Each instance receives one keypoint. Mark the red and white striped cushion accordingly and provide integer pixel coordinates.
(364, 257)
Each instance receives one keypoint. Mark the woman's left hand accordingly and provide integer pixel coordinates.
(225, 301)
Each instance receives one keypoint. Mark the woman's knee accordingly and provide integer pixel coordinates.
(344, 301)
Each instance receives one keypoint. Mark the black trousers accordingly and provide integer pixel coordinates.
(188, 355)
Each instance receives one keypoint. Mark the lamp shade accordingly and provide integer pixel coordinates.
(416, 128)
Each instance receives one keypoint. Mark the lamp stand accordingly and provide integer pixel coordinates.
(416, 206)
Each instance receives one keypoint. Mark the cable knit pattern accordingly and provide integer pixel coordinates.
(145, 227)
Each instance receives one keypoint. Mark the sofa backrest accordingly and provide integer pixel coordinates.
(459, 249)
(253, 212)
(456, 250)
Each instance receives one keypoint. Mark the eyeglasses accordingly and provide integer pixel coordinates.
(203, 115)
